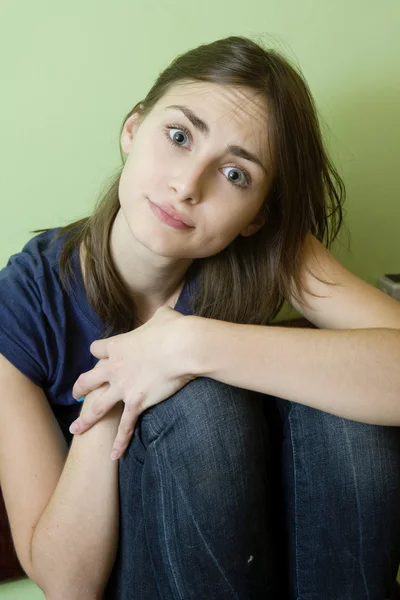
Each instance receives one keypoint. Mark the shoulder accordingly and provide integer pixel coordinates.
(46, 330)
(23, 279)
(30, 283)
(336, 298)
(39, 254)
(25, 338)
(32, 308)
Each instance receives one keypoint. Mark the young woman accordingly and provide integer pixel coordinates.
(267, 472)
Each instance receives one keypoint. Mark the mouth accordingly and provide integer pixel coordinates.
(171, 217)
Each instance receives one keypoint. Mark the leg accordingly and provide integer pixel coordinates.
(341, 483)
(193, 486)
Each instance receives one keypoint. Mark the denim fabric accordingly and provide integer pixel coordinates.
(229, 494)
(341, 497)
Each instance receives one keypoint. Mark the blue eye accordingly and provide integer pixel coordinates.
(237, 177)
(177, 136)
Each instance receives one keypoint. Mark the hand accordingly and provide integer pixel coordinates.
(142, 367)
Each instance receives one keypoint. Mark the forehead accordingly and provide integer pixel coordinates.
(239, 114)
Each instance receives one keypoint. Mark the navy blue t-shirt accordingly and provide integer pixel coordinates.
(45, 331)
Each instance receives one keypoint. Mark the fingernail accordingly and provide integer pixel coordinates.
(81, 399)
(114, 455)
(74, 428)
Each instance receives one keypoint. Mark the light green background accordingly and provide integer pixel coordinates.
(71, 70)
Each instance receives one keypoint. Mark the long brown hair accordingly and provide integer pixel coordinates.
(248, 281)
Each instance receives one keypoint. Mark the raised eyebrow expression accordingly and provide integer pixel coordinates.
(201, 126)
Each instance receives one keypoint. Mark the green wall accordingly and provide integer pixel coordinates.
(72, 70)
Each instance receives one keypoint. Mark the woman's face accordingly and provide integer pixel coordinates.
(201, 152)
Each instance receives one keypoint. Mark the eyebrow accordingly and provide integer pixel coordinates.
(202, 126)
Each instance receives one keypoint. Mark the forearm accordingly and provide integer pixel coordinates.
(74, 543)
(350, 373)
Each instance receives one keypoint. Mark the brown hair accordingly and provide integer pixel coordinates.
(248, 281)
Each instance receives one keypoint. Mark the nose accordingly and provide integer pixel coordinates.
(186, 183)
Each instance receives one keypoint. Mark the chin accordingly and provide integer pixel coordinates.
(160, 244)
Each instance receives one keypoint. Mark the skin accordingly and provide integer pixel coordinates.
(192, 177)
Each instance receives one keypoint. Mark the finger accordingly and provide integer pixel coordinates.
(125, 431)
(100, 407)
(100, 348)
(90, 380)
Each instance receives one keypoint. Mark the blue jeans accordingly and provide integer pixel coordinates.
(229, 494)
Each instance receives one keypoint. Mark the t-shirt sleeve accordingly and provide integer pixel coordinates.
(24, 332)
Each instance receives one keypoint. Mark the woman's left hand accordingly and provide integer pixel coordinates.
(142, 367)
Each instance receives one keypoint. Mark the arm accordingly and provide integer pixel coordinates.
(350, 373)
(63, 509)
(350, 368)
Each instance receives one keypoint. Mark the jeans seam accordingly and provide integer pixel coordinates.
(295, 504)
(155, 433)
(153, 423)
(360, 531)
(170, 561)
(164, 527)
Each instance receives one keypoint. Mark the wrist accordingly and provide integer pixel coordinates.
(103, 432)
(191, 346)
(111, 418)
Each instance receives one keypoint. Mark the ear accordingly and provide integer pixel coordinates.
(128, 132)
(254, 226)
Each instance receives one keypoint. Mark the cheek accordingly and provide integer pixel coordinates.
(231, 216)
(134, 174)
(125, 184)
(221, 229)
(151, 162)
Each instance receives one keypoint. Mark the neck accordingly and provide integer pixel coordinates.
(151, 280)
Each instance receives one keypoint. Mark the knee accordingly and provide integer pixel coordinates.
(213, 438)
(349, 453)
(205, 403)
(209, 418)
(370, 456)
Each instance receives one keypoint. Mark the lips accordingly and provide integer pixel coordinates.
(178, 216)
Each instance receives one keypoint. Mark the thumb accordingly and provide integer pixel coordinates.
(99, 349)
